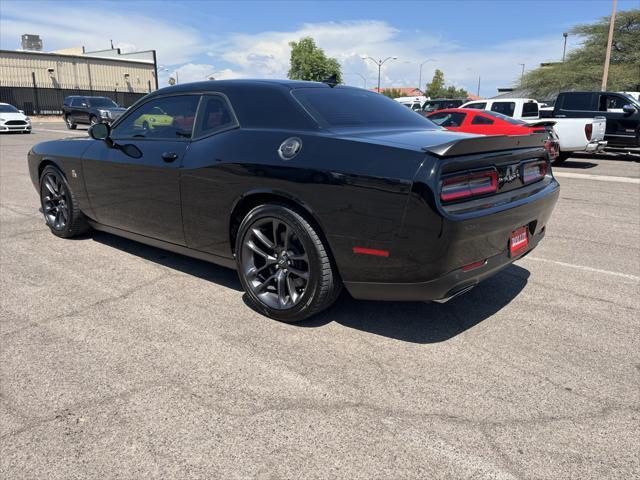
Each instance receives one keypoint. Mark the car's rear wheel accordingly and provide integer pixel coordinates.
(59, 205)
(283, 264)
(69, 122)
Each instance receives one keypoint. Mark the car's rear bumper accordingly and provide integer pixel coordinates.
(471, 248)
(443, 288)
(596, 146)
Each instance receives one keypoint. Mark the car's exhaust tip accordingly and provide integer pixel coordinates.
(454, 295)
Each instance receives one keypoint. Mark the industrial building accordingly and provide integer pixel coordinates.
(37, 82)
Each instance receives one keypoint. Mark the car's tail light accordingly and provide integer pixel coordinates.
(468, 185)
(588, 131)
(533, 171)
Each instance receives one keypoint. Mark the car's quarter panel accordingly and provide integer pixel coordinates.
(356, 191)
(139, 195)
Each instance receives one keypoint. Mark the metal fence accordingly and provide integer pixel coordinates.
(48, 101)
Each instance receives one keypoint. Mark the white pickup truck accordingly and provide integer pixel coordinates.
(574, 134)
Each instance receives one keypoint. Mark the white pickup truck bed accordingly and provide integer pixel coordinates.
(580, 135)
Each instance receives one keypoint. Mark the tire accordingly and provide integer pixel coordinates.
(69, 122)
(59, 205)
(561, 158)
(93, 120)
(285, 269)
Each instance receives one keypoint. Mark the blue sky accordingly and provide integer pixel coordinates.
(466, 39)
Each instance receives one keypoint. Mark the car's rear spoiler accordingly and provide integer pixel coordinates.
(541, 123)
(491, 143)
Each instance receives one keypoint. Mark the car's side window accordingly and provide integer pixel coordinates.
(505, 108)
(479, 106)
(78, 102)
(214, 115)
(167, 118)
(481, 120)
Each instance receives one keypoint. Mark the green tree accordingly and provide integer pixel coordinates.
(584, 66)
(437, 88)
(392, 92)
(309, 62)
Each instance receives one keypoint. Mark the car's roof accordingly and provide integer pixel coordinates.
(473, 111)
(217, 85)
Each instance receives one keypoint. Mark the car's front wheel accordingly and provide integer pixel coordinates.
(69, 123)
(59, 205)
(284, 265)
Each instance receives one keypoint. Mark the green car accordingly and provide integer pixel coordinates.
(149, 121)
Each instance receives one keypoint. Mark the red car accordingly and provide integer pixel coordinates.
(485, 122)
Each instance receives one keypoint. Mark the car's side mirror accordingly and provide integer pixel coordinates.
(629, 109)
(99, 131)
(21, 111)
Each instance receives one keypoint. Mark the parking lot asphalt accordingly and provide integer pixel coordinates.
(119, 360)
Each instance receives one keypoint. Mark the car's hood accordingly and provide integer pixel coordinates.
(13, 116)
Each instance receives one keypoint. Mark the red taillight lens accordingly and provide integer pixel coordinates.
(534, 171)
(588, 130)
(468, 185)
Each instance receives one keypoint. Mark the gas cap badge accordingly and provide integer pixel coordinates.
(290, 148)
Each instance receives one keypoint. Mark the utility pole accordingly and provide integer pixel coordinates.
(420, 77)
(564, 49)
(478, 92)
(522, 74)
(607, 59)
(379, 63)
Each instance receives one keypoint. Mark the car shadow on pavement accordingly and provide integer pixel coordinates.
(192, 266)
(421, 322)
(576, 164)
(415, 322)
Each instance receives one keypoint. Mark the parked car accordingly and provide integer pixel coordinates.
(622, 113)
(574, 134)
(303, 187)
(90, 110)
(491, 123)
(440, 103)
(523, 108)
(414, 103)
(13, 120)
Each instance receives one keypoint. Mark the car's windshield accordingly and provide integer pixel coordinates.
(8, 109)
(102, 102)
(352, 107)
(632, 100)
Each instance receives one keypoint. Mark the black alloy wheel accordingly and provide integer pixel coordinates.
(283, 264)
(59, 205)
(69, 122)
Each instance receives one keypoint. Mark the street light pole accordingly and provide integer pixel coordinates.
(522, 74)
(612, 22)
(564, 49)
(379, 63)
(420, 78)
(478, 93)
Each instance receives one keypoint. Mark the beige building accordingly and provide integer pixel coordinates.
(73, 68)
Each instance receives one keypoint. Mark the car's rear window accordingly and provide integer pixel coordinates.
(351, 107)
(512, 121)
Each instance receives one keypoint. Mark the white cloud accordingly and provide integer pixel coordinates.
(92, 27)
(266, 54)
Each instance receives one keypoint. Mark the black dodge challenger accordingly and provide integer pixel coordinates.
(303, 187)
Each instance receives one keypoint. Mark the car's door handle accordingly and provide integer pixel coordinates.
(169, 156)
